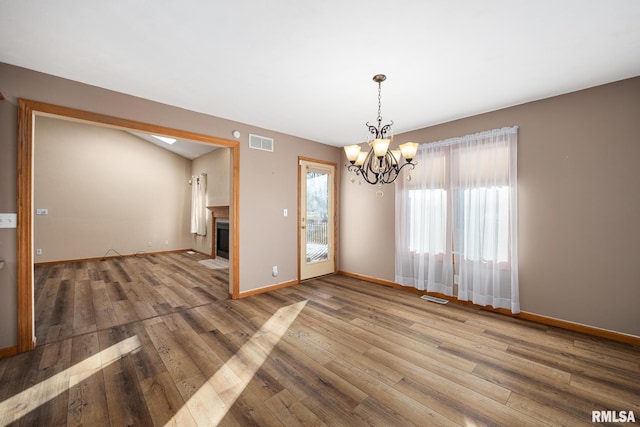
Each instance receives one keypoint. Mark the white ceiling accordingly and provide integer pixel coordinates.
(188, 149)
(305, 68)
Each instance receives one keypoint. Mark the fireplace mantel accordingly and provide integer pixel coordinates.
(217, 212)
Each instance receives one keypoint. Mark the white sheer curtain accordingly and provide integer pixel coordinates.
(423, 233)
(484, 181)
(480, 219)
(199, 204)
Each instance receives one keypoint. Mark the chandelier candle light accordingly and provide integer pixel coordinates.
(380, 165)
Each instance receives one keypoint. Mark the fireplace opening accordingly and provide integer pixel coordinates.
(222, 239)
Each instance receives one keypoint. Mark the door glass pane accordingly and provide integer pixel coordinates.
(317, 216)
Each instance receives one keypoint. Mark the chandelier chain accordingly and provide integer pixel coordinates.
(379, 103)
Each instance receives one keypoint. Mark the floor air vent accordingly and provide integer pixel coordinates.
(260, 142)
(434, 299)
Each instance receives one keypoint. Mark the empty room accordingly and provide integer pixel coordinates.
(343, 213)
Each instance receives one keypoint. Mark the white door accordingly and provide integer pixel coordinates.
(317, 219)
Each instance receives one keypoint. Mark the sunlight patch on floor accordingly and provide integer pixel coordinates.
(26, 401)
(214, 399)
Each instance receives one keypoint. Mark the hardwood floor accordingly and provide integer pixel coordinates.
(95, 295)
(154, 340)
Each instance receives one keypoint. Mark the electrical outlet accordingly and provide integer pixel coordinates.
(149, 244)
(166, 243)
(274, 271)
(38, 251)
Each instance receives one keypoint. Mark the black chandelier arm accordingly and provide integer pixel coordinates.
(379, 132)
(363, 173)
(376, 170)
(385, 129)
(376, 167)
(398, 169)
(366, 174)
(373, 130)
(366, 169)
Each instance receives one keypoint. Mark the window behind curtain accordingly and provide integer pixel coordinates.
(477, 242)
(433, 204)
(460, 213)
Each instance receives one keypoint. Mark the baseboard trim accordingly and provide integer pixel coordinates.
(267, 288)
(102, 258)
(578, 327)
(9, 351)
(199, 252)
(538, 318)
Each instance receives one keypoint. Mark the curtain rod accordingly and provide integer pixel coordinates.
(459, 139)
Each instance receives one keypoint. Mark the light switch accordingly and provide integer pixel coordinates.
(8, 220)
(285, 212)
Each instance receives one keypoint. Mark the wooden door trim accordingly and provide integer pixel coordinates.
(27, 111)
(335, 209)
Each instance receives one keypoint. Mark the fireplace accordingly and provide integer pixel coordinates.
(220, 221)
(222, 239)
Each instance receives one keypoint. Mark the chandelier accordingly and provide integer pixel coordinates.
(380, 165)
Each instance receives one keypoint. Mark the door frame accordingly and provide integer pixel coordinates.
(27, 112)
(335, 210)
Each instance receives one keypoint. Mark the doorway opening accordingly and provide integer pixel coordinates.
(28, 110)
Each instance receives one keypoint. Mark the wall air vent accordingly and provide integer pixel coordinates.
(260, 142)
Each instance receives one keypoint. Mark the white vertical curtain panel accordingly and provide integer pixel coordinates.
(199, 205)
(456, 220)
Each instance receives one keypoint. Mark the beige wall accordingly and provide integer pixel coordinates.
(217, 166)
(273, 180)
(8, 236)
(107, 192)
(268, 181)
(577, 196)
(579, 210)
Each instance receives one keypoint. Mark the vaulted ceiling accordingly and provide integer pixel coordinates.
(305, 68)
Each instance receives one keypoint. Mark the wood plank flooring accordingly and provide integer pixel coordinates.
(153, 340)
